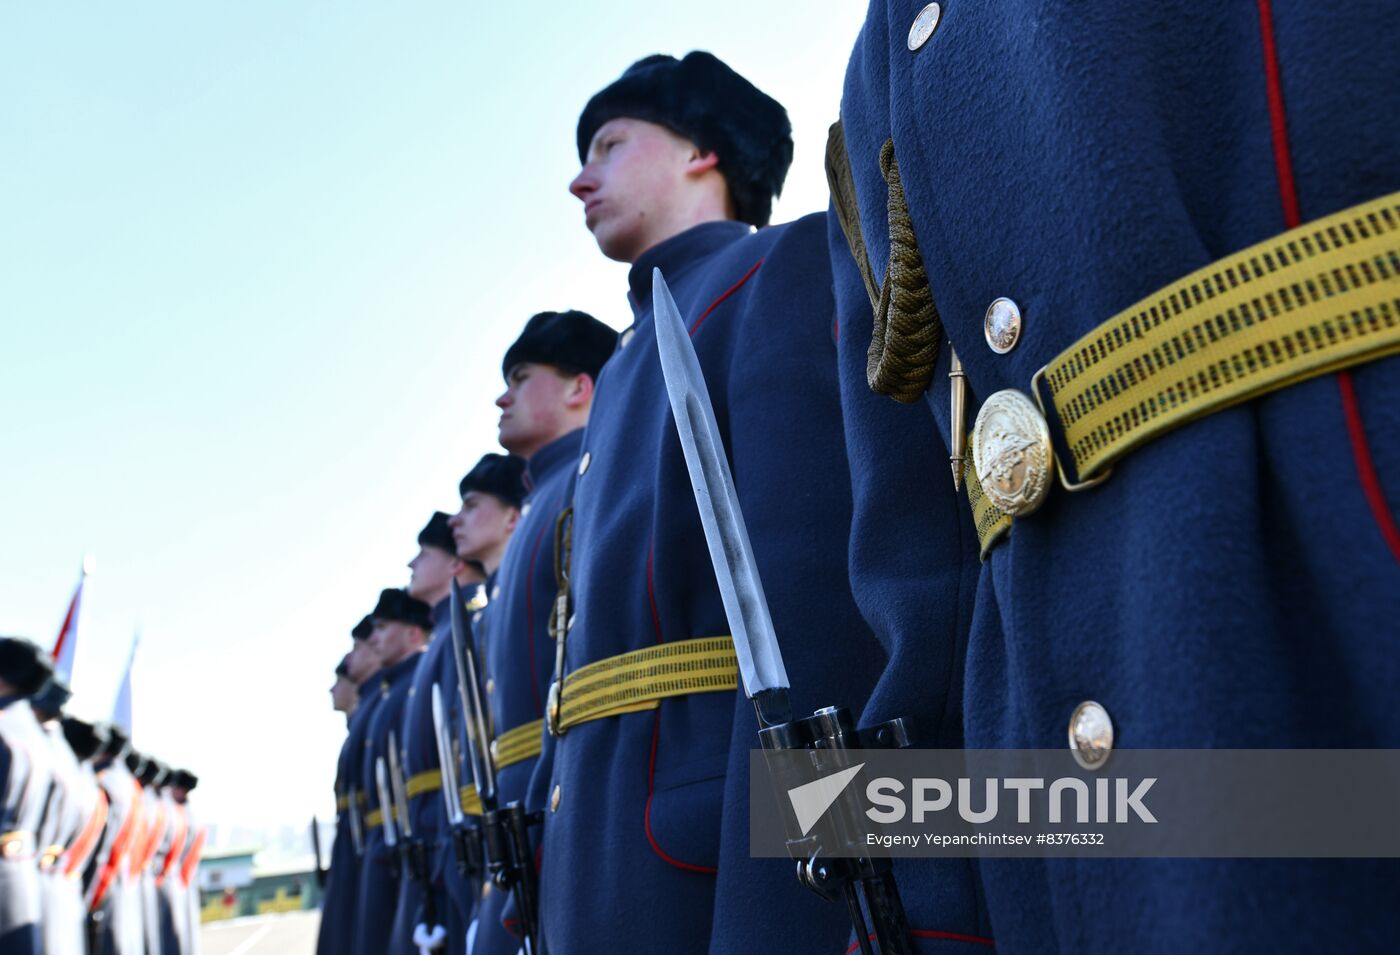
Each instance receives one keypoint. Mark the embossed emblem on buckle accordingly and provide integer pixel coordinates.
(1012, 453)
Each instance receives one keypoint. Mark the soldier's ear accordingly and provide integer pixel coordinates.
(580, 392)
(701, 161)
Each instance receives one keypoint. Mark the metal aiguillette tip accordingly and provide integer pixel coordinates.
(957, 381)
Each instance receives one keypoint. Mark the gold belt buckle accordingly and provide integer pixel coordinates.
(1013, 454)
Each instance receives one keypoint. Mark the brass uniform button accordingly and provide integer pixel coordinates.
(925, 22)
(495, 753)
(554, 799)
(1011, 452)
(583, 463)
(490, 685)
(1090, 735)
(1002, 325)
(626, 338)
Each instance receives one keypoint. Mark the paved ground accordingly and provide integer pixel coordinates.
(291, 934)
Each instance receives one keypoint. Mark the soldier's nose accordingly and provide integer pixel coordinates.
(583, 185)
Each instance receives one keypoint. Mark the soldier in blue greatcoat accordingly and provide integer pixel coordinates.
(400, 635)
(343, 879)
(434, 567)
(645, 788)
(25, 777)
(492, 495)
(1019, 188)
(550, 372)
(113, 896)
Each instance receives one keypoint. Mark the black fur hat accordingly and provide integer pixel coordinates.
(151, 773)
(705, 101)
(183, 779)
(363, 629)
(84, 738)
(52, 697)
(23, 665)
(398, 606)
(437, 534)
(502, 475)
(118, 740)
(137, 762)
(572, 340)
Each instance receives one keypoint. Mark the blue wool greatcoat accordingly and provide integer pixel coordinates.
(25, 775)
(517, 651)
(1230, 585)
(646, 817)
(343, 882)
(418, 748)
(381, 867)
(463, 894)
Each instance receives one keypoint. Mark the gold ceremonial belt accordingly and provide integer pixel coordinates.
(517, 745)
(471, 802)
(1316, 299)
(342, 803)
(375, 818)
(16, 843)
(428, 781)
(641, 679)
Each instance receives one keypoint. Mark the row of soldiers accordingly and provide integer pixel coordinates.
(99, 852)
(1014, 194)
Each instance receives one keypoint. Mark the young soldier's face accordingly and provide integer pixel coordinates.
(432, 572)
(392, 641)
(482, 526)
(634, 185)
(534, 406)
(361, 661)
(344, 694)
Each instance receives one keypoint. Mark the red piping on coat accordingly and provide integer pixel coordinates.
(941, 936)
(1288, 193)
(656, 724)
(728, 292)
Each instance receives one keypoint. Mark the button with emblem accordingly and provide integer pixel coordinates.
(490, 685)
(525, 508)
(486, 889)
(1011, 453)
(554, 799)
(495, 753)
(626, 338)
(923, 26)
(1002, 325)
(583, 463)
(1090, 735)
(496, 592)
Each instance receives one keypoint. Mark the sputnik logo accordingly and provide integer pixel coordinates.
(811, 800)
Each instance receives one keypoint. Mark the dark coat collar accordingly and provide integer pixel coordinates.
(676, 253)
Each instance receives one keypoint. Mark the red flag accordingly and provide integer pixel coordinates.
(66, 646)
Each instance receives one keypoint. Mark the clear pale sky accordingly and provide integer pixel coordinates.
(258, 265)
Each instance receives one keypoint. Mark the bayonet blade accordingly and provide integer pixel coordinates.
(386, 802)
(450, 795)
(741, 589)
(473, 713)
(399, 788)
